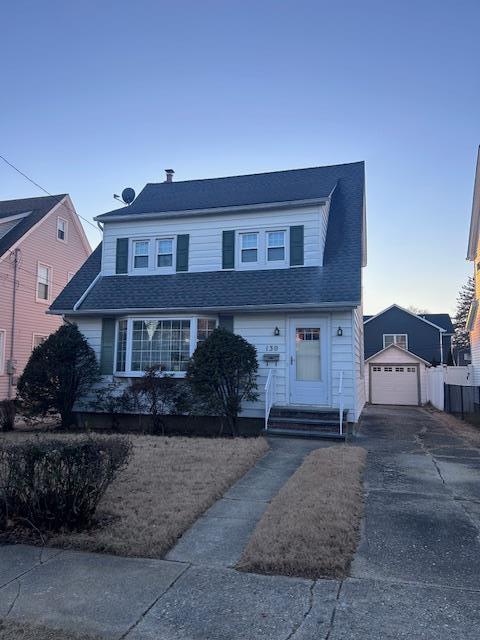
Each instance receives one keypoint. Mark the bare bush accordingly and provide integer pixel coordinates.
(52, 484)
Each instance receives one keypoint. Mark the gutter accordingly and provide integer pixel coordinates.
(323, 306)
(212, 211)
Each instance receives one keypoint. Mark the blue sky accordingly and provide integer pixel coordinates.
(99, 96)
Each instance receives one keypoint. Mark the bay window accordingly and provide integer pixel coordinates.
(169, 342)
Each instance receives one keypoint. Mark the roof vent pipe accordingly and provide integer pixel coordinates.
(169, 175)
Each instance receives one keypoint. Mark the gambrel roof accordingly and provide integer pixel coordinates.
(336, 283)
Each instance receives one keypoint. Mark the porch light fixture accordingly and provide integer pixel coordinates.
(276, 331)
(339, 332)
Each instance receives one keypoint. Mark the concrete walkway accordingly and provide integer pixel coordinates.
(416, 574)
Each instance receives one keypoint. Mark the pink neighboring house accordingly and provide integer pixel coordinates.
(42, 246)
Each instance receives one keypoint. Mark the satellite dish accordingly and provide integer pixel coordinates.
(128, 195)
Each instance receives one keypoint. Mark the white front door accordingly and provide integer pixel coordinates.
(308, 361)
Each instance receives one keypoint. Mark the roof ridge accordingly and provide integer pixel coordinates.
(61, 195)
(261, 173)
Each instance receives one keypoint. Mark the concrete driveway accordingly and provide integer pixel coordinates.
(416, 574)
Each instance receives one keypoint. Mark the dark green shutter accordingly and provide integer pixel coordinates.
(226, 322)
(121, 260)
(107, 346)
(182, 252)
(296, 245)
(228, 250)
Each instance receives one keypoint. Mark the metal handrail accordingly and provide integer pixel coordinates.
(340, 402)
(269, 395)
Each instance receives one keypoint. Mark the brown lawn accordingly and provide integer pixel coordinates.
(167, 485)
(311, 527)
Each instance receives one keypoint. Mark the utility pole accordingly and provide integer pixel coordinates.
(10, 364)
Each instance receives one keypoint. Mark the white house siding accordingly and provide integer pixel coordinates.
(475, 333)
(359, 365)
(258, 330)
(205, 250)
(91, 329)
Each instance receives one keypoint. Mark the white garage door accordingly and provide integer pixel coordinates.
(392, 384)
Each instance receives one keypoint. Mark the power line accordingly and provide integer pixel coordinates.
(47, 192)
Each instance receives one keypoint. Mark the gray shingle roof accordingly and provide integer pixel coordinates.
(234, 191)
(442, 320)
(337, 281)
(38, 208)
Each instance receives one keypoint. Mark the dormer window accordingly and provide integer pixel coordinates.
(141, 249)
(249, 247)
(62, 227)
(275, 246)
(164, 253)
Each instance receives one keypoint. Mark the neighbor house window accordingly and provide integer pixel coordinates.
(2, 351)
(275, 246)
(37, 340)
(43, 281)
(62, 227)
(164, 253)
(160, 342)
(398, 339)
(121, 345)
(205, 327)
(249, 247)
(140, 254)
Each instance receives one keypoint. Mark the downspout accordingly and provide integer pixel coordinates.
(12, 334)
(441, 348)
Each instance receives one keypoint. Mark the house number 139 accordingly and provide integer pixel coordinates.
(271, 347)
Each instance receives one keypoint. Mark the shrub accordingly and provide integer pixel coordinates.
(8, 410)
(60, 370)
(52, 484)
(113, 399)
(160, 394)
(222, 373)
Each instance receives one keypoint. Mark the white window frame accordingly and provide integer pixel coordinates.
(395, 336)
(134, 242)
(249, 265)
(172, 268)
(65, 229)
(49, 283)
(284, 246)
(37, 335)
(129, 373)
(3, 344)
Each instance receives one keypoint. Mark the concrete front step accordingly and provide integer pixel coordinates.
(306, 413)
(303, 433)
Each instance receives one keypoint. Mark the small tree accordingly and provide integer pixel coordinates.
(60, 370)
(461, 337)
(222, 373)
(160, 394)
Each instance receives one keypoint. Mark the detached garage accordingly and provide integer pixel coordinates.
(396, 376)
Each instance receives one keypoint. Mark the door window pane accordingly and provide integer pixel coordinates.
(140, 254)
(307, 350)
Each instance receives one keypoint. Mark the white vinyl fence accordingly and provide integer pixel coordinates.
(438, 377)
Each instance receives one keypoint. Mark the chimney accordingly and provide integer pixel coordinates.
(169, 175)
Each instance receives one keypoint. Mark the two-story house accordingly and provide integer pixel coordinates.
(42, 246)
(274, 257)
(399, 345)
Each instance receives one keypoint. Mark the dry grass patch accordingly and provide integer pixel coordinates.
(311, 527)
(167, 485)
(15, 631)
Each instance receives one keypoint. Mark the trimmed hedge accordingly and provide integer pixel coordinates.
(52, 484)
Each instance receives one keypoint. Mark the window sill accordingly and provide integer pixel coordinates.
(140, 374)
